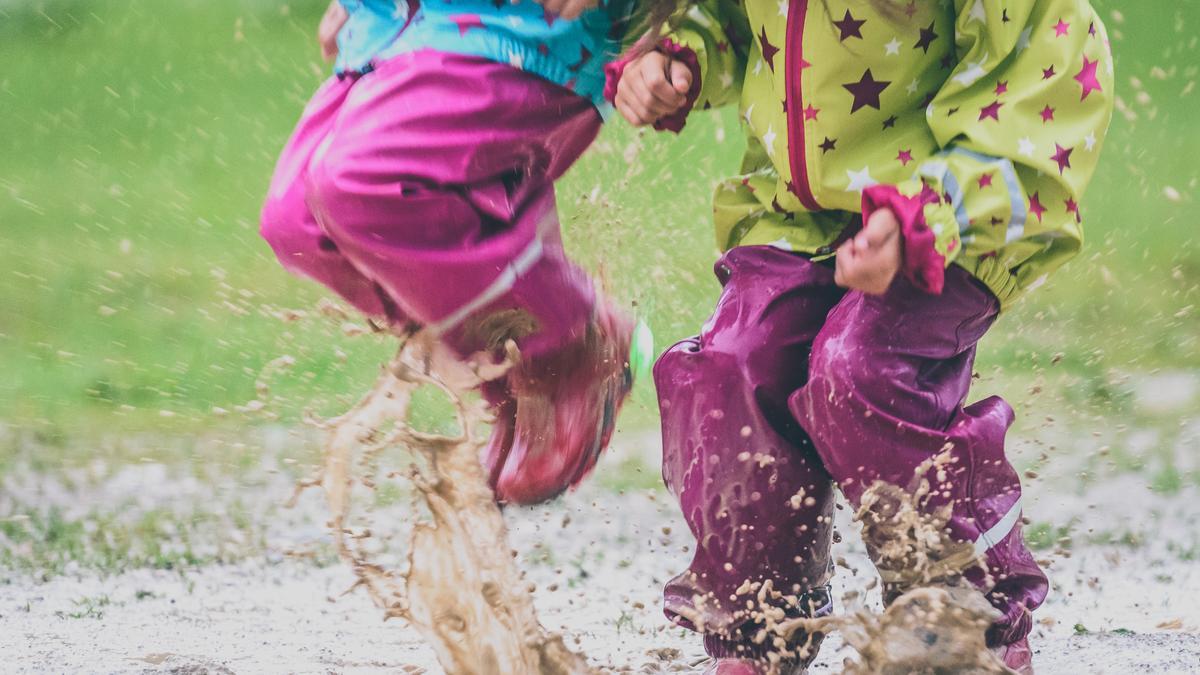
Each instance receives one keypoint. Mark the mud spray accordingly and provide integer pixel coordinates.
(460, 587)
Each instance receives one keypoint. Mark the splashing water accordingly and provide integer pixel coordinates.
(460, 588)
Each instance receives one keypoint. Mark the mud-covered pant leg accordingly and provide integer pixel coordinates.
(288, 225)
(445, 198)
(888, 378)
(752, 490)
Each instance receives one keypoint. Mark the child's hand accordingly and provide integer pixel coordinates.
(327, 31)
(569, 9)
(869, 262)
(653, 85)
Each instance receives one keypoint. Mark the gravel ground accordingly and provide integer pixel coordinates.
(1123, 597)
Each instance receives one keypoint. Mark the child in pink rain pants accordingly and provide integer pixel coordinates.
(913, 167)
(418, 186)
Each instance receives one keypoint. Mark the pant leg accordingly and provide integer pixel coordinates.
(887, 381)
(752, 490)
(289, 226)
(437, 182)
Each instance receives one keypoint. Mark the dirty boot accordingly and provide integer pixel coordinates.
(1018, 657)
(563, 412)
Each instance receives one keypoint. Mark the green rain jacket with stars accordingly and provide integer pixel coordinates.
(979, 122)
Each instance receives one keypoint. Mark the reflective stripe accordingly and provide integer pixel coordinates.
(939, 171)
(1016, 197)
(502, 284)
(999, 531)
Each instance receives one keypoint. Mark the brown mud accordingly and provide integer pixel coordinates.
(461, 588)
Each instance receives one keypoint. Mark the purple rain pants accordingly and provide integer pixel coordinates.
(795, 384)
(422, 192)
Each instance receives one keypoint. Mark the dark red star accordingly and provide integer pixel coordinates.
(768, 50)
(1073, 207)
(1004, 16)
(829, 145)
(990, 111)
(850, 27)
(927, 38)
(866, 91)
(904, 157)
(722, 46)
(997, 220)
(549, 17)
(1087, 78)
(1092, 29)
(1062, 157)
(1047, 114)
(584, 56)
(889, 122)
(985, 181)
(1048, 73)
(1001, 88)
(1035, 206)
(910, 10)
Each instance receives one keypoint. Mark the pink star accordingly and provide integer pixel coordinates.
(1062, 28)
(1035, 205)
(549, 17)
(810, 113)
(1073, 207)
(1048, 73)
(990, 111)
(985, 181)
(905, 157)
(1062, 157)
(1047, 114)
(1087, 78)
(466, 22)
(1001, 88)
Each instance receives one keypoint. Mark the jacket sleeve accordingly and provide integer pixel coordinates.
(1019, 123)
(713, 38)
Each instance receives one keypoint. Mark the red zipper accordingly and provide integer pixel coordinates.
(794, 74)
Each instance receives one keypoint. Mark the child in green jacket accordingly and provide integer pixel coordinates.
(912, 169)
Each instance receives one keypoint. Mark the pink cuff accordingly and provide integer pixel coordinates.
(675, 121)
(922, 265)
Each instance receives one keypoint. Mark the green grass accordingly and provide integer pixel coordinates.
(136, 296)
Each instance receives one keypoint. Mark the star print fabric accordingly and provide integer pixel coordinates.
(519, 33)
(988, 115)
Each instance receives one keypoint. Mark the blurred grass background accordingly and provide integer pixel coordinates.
(137, 138)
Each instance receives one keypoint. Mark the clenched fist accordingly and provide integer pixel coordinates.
(652, 86)
(869, 262)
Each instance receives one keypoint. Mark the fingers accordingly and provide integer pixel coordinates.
(881, 228)
(645, 94)
(569, 9)
(327, 31)
(681, 77)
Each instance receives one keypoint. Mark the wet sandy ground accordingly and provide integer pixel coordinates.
(598, 559)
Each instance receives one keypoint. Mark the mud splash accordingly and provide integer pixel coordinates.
(460, 586)
(934, 621)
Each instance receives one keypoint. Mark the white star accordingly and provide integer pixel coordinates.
(1023, 40)
(769, 139)
(893, 47)
(783, 7)
(758, 66)
(973, 72)
(912, 87)
(1036, 283)
(860, 180)
(1090, 141)
(515, 21)
(977, 13)
(749, 112)
(929, 111)
(516, 60)
(726, 80)
(782, 243)
(1025, 147)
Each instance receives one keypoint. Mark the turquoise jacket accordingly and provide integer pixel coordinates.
(521, 33)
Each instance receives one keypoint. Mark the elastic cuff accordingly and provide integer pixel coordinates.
(923, 265)
(614, 70)
(676, 120)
